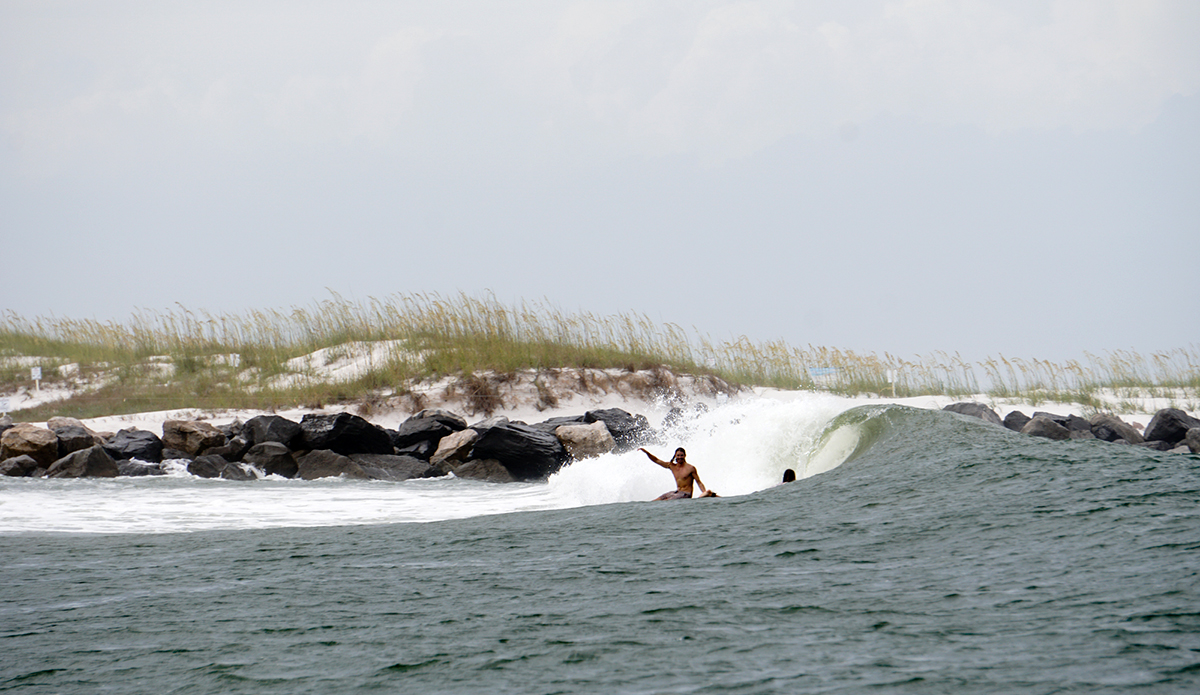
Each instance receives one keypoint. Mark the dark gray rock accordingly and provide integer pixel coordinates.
(1041, 426)
(390, 467)
(18, 466)
(233, 429)
(72, 438)
(344, 433)
(1071, 422)
(417, 430)
(324, 463)
(135, 444)
(1080, 434)
(207, 466)
(1192, 439)
(134, 469)
(93, 462)
(272, 458)
(421, 450)
(237, 471)
(1110, 428)
(452, 420)
(272, 428)
(554, 423)
(527, 453)
(176, 455)
(1078, 424)
(488, 423)
(973, 409)
(1157, 444)
(1170, 425)
(233, 450)
(488, 470)
(1016, 420)
(628, 431)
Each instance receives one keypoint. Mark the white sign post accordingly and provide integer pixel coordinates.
(4, 405)
(36, 374)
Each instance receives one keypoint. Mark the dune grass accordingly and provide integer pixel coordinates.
(185, 358)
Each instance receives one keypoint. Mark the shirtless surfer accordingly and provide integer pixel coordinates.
(685, 474)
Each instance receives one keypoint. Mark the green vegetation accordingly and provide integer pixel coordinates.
(179, 359)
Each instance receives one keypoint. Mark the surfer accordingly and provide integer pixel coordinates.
(685, 474)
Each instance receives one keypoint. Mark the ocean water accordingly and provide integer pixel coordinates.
(923, 552)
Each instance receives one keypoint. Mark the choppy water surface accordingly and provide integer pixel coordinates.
(944, 556)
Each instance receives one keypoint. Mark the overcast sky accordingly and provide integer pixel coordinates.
(1008, 177)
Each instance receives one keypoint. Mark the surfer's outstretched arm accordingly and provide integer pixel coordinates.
(653, 457)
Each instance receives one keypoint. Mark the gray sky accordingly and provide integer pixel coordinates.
(1016, 178)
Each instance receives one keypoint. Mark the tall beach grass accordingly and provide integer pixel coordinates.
(186, 358)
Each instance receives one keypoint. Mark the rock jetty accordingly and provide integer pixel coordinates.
(1170, 429)
(431, 443)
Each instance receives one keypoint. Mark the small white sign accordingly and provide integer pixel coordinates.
(35, 373)
(4, 404)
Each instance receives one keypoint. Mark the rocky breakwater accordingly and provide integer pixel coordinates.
(1170, 429)
(431, 443)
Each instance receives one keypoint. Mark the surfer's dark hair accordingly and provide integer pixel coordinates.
(681, 449)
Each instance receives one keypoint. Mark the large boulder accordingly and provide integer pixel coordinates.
(628, 431)
(93, 462)
(272, 428)
(427, 426)
(135, 469)
(390, 467)
(1192, 439)
(18, 466)
(454, 448)
(554, 423)
(58, 421)
(585, 441)
(974, 409)
(1073, 423)
(489, 470)
(232, 450)
(420, 450)
(1041, 426)
(1110, 428)
(1169, 425)
(452, 420)
(192, 436)
(1016, 420)
(527, 453)
(38, 443)
(135, 444)
(207, 466)
(324, 463)
(217, 466)
(343, 433)
(72, 438)
(272, 458)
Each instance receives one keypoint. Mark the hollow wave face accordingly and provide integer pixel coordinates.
(738, 448)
